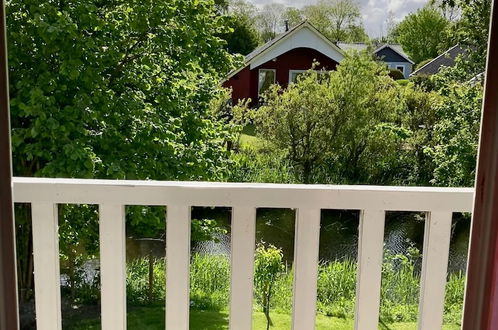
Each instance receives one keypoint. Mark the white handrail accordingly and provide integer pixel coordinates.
(308, 200)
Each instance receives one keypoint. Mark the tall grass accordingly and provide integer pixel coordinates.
(209, 282)
(210, 287)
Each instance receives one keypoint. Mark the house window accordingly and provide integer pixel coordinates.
(401, 68)
(267, 77)
(294, 74)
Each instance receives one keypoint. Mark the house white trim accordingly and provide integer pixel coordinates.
(403, 68)
(294, 71)
(259, 74)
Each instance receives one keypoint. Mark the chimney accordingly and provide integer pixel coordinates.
(286, 25)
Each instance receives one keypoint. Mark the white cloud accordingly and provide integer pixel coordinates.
(374, 12)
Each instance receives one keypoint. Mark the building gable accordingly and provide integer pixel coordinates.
(387, 54)
(305, 37)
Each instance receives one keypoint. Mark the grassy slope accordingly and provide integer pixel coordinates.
(152, 318)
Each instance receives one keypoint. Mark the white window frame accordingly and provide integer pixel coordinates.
(303, 71)
(259, 75)
(397, 66)
(294, 71)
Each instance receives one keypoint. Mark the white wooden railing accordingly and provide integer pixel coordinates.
(244, 199)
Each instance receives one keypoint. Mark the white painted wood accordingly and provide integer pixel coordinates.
(434, 270)
(177, 267)
(242, 267)
(112, 266)
(306, 268)
(370, 255)
(45, 193)
(81, 191)
(304, 37)
(46, 266)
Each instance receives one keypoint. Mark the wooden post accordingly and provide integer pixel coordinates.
(481, 297)
(9, 315)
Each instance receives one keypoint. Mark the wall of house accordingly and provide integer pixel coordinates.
(245, 83)
(240, 85)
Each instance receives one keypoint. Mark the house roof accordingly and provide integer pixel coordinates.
(446, 59)
(293, 38)
(359, 46)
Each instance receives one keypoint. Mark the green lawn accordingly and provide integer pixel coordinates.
(152, 318)
(248, 137)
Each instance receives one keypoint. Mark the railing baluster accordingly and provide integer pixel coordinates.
(434, 267)
(46, 266)
(370, 254)
(177, 267)
(242, 267)
(113, 266)
(306, 268)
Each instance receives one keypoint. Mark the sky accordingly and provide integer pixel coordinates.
(374, 12)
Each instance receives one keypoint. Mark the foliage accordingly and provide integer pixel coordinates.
(334, 126)
(269, 20)
(118, 90)
(396, 74)
(209, 282)
(140, 290)
(293, 16)
(243, 38)
(400, 286)
(268, 267)
(471, 32)
(336, 288)
(266, 165)
(422, 34)
(456, 135)
(419, 116)
(339, 20)
(88, 87)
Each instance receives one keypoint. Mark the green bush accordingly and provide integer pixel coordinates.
(396, 74)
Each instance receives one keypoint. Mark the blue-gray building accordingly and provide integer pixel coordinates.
(392, 54)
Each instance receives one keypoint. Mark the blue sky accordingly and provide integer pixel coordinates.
(374, 12)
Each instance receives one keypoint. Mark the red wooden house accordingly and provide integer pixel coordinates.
(281, 60)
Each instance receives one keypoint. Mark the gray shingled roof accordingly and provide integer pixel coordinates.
(446, 59)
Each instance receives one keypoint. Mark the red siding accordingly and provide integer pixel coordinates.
(245, 83)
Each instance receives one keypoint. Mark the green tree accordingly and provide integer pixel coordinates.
(456, 135)
(269, 21)
(243, 38)
(293, 16)
(422, 34)
(119, 90)
(336, 127)
(471, 32)
(339, 20)
(268, 266)
(419, 115)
